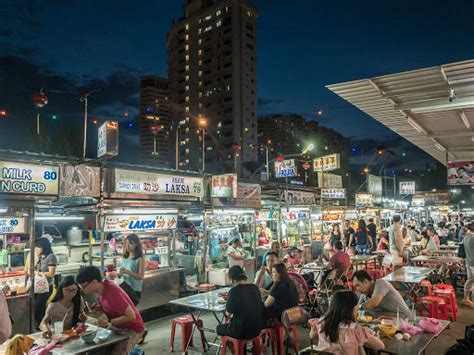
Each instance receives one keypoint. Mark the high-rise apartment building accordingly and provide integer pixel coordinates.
(212, 74)
(155, 122)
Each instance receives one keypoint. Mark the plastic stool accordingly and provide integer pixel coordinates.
(240, 345)
(450, 308)
(451, 288)
(272, 335)
(186, 323)
(281, 335)
(436, 307)
(376, 274)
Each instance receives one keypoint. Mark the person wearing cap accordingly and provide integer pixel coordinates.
(468, 242)
(235, 253)
(293, 259)
(265, 235)
(244, 308)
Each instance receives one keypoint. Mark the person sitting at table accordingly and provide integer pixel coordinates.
(412, 233)
(379, 298)
(66, 306)
(263, 279)
(293, 258)
(283, 294)
(383, 243)
(432, 233)
(428, 245)
(244, 307)
(340, 261)
(337, 331)
(274, 248)
(119, 310)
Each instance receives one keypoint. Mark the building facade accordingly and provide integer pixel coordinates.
(155, 122)
(212, 75)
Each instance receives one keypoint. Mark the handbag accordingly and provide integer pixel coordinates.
(41, 284)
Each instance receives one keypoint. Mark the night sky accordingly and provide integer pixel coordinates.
(70, 46)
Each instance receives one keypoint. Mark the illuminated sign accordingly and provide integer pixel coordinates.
(107, 139)
(129, 223)
(12, 225)
(407, 187)
(364, 200)
(333, 193)
(285, 168)
(327, 162)
(18, 178)
(224, 186)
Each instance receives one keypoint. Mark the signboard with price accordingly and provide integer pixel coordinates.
(127, 223)
(12, 225)
(28, 179)
(140, 182)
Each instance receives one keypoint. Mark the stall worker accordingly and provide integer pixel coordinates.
(379, 298)
(120, 312)
(337, 332)
(66, 307)
(293, 259)
(283, 294)
(263, 279)
(3, 258)
(265, 234)
(244, 307)
(235, 253)
(274, 248)
(468, 242)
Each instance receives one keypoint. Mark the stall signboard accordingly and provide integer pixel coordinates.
(28, 179)
(418, 201)
(329, 181)
(364, 200)
(248, 195)
(333, 193)
(407, 187)
(461, 173)
(107, 139)
(332, 217)
(299, 198)
(80, 180)
(131, 223)
(224, 186)
(140, 182)
(374, 185)
(327, 162)
(12, 225)
(436, 198)
(285, 168)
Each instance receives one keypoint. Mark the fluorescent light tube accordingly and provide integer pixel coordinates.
(58, 218)
(416, 125)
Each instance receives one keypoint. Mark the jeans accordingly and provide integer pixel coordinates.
(40, 304)
(362, 249)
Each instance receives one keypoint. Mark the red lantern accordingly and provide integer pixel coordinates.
(39, 99)
(306, 166)
(279, 158)
(235, 147)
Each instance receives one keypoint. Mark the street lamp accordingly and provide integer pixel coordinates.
(155, 129)
(235, 147)
(267, 148)
(203, 124)
(309, 148)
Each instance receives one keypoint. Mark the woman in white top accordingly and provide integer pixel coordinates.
(235, 253)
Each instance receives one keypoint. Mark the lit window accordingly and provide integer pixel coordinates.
(200, 20)
(246, 129)
(186, 99)
(187, 119)
(200, 31)
(187, 77)
(200, 41)
(200, 94)
(207, 29)
(187, 57)
(249, 14)
(208, 17)
(186, 67)
(187, 129)
(186, 37)
(186, 109)
(227, 88)
(200, 62)
(200, 83)
(182, 143)
(186, 47)
(186, 27)
(200, 73)
(187, 140)
(209, 148)
(218, 12)
(200, 52)
(150, 117)
(200, 105)
(187, 150)
(218, 23)
(186, 88)
(187, 161)
(219, 124)
(182, 122)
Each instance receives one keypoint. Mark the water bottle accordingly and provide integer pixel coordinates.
(361, 312)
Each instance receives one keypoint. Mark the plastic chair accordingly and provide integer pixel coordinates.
(281, 335)
(450, 307)
(270, 335)
(240, 345)
(186, 323)
(453, 291)
(436, 307)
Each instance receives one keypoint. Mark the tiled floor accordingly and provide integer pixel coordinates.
(158, 338)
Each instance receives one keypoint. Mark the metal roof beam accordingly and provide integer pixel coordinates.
(437, 105)
(452, 134)
(465, 120)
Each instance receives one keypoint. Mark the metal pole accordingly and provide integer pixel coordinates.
(154, 143)
(38, 123)
(177, 148)
(31, 215)
(266, 159)
(203, 150)
(205, 241)
(85, 127)
(322, 205)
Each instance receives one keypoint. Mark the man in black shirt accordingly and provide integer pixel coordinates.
(244, 307)
(372, 228)
(348, 233)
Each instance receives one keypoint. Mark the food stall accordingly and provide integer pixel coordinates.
(230, 218)
(21, 187)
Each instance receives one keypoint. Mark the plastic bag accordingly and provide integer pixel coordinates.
(410, 328)
(41, 284)
(191, 282)
(430, 325)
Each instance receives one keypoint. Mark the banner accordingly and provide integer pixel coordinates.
(374, 185)
(418, 201)
(134, 223)
(299, 198)
(12, 225)
(140, 182)
(285, 168)
(364, 200)
(79, 180)
(436, 198)
(28, 179)
(327, 162)
(224, 186)
(333, 193)
(107, 139)
(330, 181)
(248, 195)
(461, 173)
(407, 187)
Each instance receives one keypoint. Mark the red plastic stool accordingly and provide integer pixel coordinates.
(280, 332)
(376, 274)
(186, 323)
(240, 345)
(450, 308)
(429, 287)
(451, 288)
(272, 336)
(436, 307)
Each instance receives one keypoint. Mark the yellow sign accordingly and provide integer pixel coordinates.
(28, 179)
(326, 163)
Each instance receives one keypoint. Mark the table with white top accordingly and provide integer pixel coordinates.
(411, 276)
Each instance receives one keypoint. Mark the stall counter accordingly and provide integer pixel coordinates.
(19, 308)
(160, 286)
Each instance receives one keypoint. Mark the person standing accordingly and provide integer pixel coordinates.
(363, 240)
(119, 310)
(468, 242)
(372, 229)
(396, 240)
(335, 234)
(235, 253)
(46, 266)
(348, 233)
(5, 322)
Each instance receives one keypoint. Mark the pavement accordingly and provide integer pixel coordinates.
(159, 330)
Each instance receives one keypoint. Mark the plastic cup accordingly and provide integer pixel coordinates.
(58, 327)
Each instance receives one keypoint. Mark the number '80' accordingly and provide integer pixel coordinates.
(50, 175)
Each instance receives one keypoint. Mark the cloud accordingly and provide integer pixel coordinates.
(264, 104)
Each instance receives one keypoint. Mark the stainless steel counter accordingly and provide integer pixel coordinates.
(160, 287)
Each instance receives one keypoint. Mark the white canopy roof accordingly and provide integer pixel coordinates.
(432, 108)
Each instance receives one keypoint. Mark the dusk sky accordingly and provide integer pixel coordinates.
(302, 46)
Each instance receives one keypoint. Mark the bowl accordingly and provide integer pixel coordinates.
(88, 336)
(387, 322)
(389, 330)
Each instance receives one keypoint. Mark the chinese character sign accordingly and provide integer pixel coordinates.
(285, 168)
(364, 200)
(407, 187)
(126, 223)
(224, 186)
(327, 162)
(333, 193)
